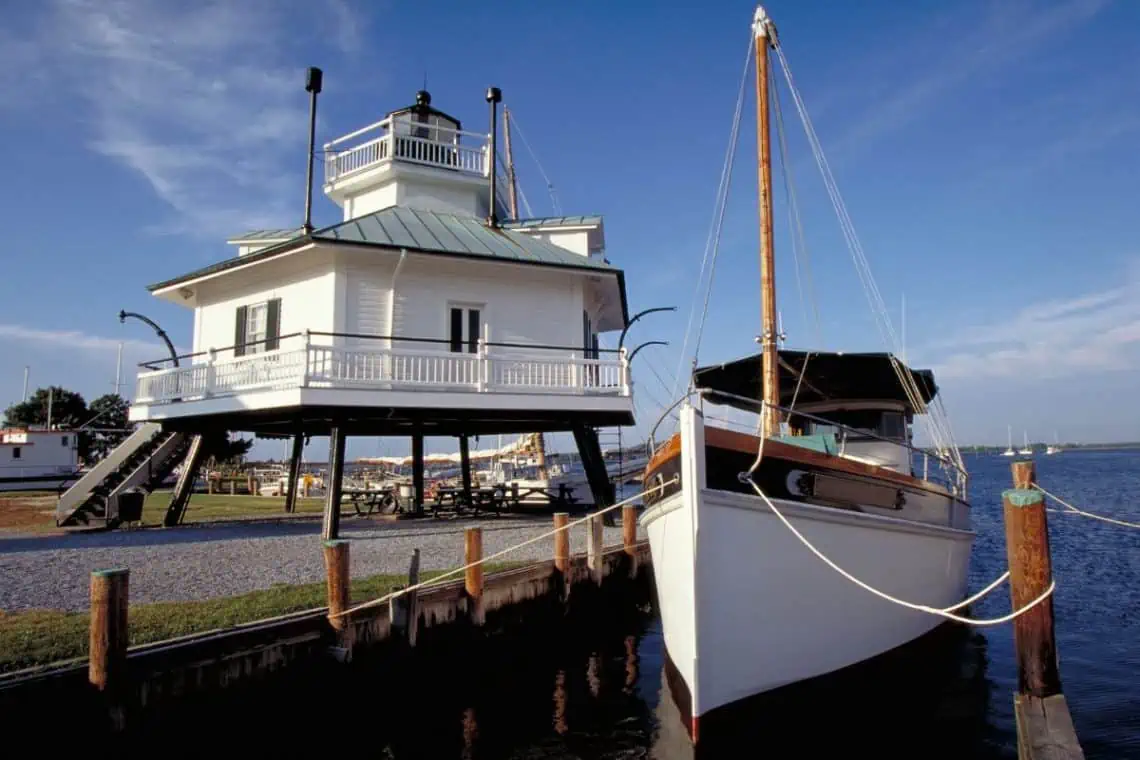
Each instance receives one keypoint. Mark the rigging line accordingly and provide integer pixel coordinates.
(878, 307)
(719, 226)
(549, 185)
(799, 241)
(716, 204)
(795, 223)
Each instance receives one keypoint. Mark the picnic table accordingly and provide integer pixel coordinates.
(367, 501)
(483, 498)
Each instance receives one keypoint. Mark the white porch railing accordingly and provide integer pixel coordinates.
(489, 370)
(447, 148)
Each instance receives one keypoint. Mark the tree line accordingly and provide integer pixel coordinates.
(101, 425)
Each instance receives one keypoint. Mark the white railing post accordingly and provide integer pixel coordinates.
(925, 466)
(483, 366)
(306, 337)
(575, 371)
(626, 380)
(211, 373)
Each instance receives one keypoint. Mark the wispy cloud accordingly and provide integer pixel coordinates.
(1092, 332)
(203, 100)
(76, 339)
(952, 54)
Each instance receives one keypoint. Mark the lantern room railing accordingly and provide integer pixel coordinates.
(398, 138)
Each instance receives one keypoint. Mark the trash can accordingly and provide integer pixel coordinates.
(131, 505)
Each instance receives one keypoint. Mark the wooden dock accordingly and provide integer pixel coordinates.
(118, 686)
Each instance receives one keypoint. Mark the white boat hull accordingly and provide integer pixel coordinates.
(747, 608)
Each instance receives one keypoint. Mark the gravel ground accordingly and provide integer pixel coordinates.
(224, 559)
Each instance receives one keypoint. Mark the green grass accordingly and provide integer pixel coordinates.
(38, 637)
(222, 506)
(33, 512)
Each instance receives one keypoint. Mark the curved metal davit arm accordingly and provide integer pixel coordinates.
(161, 333)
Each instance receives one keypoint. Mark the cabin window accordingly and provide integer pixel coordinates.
(464, 327)
(63, 440)
(16, 452)
(893, 426)
(257, 327)
(863, 425)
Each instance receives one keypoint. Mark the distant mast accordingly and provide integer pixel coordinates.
(765, 33)
(512, 183)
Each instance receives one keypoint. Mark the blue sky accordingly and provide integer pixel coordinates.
(985, 150)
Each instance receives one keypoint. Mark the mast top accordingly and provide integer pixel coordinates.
(762, 25)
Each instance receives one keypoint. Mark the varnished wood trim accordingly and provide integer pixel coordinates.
(731, 439)
(669, 450)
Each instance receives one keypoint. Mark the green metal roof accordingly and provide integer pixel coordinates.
(424, 231)
(552, 221)
(268, 235)
(402, 227)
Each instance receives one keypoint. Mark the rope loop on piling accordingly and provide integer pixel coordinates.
(1070, 509)
(439, 579)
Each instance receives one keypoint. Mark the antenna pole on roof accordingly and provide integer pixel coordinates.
(312, 86)
(494, 97)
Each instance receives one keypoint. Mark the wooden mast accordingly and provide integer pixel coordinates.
(764, 31)
(512, 185)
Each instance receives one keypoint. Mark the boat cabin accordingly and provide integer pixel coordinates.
(37, 458)
(848, 404)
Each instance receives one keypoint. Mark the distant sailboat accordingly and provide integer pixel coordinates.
(1055, 447)
(1026, 448)
(1009, 452)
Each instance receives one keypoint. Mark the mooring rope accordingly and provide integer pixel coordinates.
(945, 612)
(438, 579)
(1083, 513)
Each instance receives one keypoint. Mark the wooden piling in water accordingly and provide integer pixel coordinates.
(338, 581)
(562, 543)
(473, 577)
(1044, 726)
(629, 536)
(403, 611)
(1031, 572)
(594, 547)
(108, 637)
(337, 574)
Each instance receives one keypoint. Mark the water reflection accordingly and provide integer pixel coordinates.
(592, 690)
(931, 702)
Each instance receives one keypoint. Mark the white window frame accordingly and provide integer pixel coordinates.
(262, 308)
(465, 338)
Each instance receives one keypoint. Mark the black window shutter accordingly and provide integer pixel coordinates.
(273, 324)
(456, 335)
(239, 330)
(472, 330)
(585, 334)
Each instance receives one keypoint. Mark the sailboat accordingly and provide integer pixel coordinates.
(1009, 452)
(746, 607)
(1026, 449)
(1055, 447)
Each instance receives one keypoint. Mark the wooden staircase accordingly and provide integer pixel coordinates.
(142, 461)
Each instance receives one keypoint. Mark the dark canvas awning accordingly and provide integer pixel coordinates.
(828, 377)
